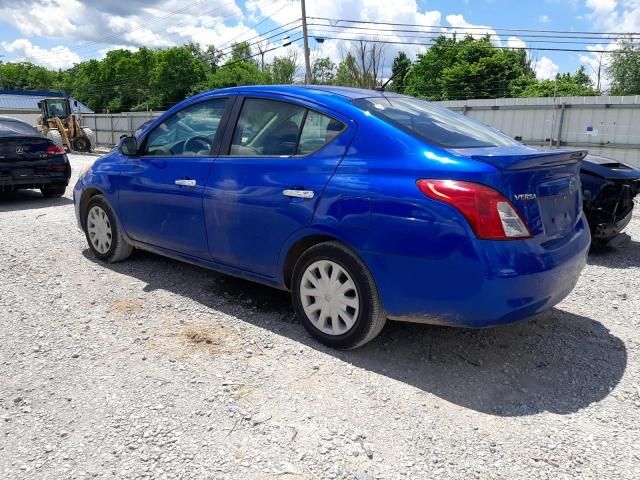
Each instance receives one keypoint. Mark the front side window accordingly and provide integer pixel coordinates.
(436, 125)
(189, 132)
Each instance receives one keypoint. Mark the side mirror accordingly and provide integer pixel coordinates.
(129, 146)
(39, 104)
(75, 103)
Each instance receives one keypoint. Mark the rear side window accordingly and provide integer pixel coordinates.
(273, 128)
(318, 130)
(436, 125)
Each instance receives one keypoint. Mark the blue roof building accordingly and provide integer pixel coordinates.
(26, 101)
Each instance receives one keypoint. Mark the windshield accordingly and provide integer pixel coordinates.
(58, 108)
(436, 125)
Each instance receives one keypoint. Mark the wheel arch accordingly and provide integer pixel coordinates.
(301, 244)
(298, 248)
(87, 195)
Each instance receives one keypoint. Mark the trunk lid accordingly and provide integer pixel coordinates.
(543, 185)
(23, 150)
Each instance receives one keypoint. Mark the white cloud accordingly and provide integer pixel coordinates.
(56, 57)
(544, 19)
(615, 15)
(515, 42)
(546, 69)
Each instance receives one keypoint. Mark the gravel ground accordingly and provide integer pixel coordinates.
(156, 369)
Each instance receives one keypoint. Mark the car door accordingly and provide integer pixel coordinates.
(160, 194)
(267, 184)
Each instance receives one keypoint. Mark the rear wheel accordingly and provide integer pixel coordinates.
(49, 192)
(335, 297)
(101, 229)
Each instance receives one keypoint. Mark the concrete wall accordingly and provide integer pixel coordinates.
(607, 126)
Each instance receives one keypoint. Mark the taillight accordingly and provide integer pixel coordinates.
(55, 150)
(490, 214)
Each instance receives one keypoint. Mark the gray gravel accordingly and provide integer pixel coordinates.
(156, 369)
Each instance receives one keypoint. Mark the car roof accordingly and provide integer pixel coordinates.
(309, 92)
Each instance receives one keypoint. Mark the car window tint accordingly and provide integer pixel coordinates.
(189, 132)
(437, 125)
(318, 130)
(267, 127)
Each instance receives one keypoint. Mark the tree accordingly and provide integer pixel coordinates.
(369, 61)
(283, 70)
(399, 71)
(468, 68)
(323, 71)
(624, 69)
(564, 85)
(242, 51)
(234, 74)
(347, 74)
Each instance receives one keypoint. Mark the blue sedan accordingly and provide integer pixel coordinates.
(366, 205)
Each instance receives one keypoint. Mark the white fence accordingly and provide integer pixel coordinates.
(608, 125)
(109, 127)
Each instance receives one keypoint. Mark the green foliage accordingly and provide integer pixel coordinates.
(348, 74)
(399, 71)
(233, 75)
(564, 85)
(24, 75)
(625, 69)
(468, 68)
(323, 72)
(282, 70)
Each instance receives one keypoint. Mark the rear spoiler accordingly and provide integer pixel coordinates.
(540, 159)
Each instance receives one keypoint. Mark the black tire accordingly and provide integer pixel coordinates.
(81, 144)
(50, 192)
(119, 249)
(370, 317)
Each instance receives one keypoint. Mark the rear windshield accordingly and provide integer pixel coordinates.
(9, 128)
(436, 125)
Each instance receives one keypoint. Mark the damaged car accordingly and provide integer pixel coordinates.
(609, 188)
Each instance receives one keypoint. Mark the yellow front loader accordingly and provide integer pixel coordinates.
(58, 123)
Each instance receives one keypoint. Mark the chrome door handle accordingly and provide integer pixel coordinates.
(186, 182)
(298, 193)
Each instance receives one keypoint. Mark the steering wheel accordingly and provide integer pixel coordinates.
(197, 144)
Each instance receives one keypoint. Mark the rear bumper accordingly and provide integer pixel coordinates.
(497, 283)
(36, 181)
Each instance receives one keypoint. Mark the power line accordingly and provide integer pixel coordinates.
(450, 34)
(337, 20)
(495, 47)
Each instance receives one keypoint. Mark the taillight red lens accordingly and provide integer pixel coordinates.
(490, 214)
(55, 150)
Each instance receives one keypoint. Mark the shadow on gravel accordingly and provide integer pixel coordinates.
(29, 200)
(626, 256)
(556, 362)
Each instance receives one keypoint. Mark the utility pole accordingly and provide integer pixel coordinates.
(307, 64)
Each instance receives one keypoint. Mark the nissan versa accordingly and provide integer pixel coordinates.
(366, 205)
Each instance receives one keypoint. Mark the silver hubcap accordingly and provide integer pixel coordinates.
(329, 297)
(99, 229)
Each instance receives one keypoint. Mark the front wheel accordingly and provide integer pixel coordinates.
(335, 297)
(101, 229)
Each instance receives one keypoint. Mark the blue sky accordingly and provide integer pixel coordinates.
(58, 33)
